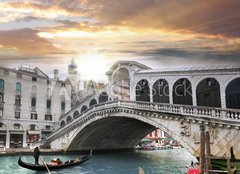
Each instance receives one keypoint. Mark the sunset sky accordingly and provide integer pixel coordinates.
(96, 33)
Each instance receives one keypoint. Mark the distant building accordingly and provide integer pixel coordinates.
(30, 105)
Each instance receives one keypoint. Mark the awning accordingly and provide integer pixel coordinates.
(34, 132)
(146, 140)
(16, 132)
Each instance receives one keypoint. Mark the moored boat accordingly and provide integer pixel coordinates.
(42, 167)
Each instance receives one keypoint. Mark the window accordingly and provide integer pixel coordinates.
(62, 105)
(32, 127)
(16, 126)
(18, 87)
(17, 114)
(1, 84)
(34, 79)
(48, 117)
(33, 102)
(48, 104)
(48, 127)
(34, 116)
(63, 84)
(48, 82)
(1, 98)
(1, 125)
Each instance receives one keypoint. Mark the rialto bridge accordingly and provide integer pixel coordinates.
(136, 100)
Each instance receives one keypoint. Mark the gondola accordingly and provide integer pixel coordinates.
(53, 167)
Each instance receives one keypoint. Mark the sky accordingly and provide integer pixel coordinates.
(97, 33)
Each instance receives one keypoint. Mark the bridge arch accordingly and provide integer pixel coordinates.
(103, 97)
(69, 119)
(85, 138)
(75, 114)
(62, 123)
(84, 108)
(92, 102)
(142, 91)
(208, 93)
(182, 92)
(160, 91)
(233, 94)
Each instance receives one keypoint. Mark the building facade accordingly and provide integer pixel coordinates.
(31, 104)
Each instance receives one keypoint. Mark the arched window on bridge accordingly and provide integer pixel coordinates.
(62, 123)
(208, 93)
(142, 91)
(233, 94)
(84, 108)
(182, 92)
(69, 118)
(92, 102)
(103, 97)
(75, 114)
(160, 91)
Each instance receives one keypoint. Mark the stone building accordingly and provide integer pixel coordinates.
(31, 104)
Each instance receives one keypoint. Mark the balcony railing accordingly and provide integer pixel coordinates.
(48, 111)
(33, 108)
(17, 107)
(17, 93)
(34, 95)
(2, 90)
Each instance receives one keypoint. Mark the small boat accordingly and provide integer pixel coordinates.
(42, 167)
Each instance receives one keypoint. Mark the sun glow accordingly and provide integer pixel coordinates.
(93, 67)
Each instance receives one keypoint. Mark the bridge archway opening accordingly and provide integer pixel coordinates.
(208, 93)
(103, 97)
(84, 108)
(121, 81)
(142, 91)
(62, 123)
(69, 119)
(75, 114)
(160, 91)
(111, 133)
(92, 102)
(233, 94)
(182, 92)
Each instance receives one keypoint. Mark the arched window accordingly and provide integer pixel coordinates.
(182, 92)
(1, 85)
(18, 87)
(69, 118)
(83, 108)
(233, 94)
(103, 97)
(208, 93)
(161, 91)
(75, 114)
(142, 91)
(92, 102)
(62, 123)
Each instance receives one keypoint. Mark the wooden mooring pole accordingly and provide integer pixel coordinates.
(202, 148)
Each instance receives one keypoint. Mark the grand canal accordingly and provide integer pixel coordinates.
(172, 161)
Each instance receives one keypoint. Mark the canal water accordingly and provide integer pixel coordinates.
(171, 161)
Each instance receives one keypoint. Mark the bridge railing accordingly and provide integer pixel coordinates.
(232, 115)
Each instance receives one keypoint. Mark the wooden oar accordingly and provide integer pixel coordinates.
(45, 165)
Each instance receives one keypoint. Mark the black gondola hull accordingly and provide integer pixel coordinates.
(51, 167)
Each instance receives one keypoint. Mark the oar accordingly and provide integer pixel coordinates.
(45, 165)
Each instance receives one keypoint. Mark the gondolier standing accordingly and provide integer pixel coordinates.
(36, 154)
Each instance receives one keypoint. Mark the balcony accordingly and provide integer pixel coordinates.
(17, 93)
(2, 90)
(17, 107)
(48, 111)
(33, 108)
(1, 105)
(33, 95)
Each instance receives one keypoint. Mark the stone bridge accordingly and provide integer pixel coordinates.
(136, 100)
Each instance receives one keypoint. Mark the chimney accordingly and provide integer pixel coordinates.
(55, 74)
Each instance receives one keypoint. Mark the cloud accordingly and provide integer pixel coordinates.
(27, 42)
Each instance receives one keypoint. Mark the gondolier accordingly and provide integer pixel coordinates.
(36, 155)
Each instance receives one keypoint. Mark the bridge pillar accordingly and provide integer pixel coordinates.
(194, 96)
(171, 93)
(223, 95)
(151, 93)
